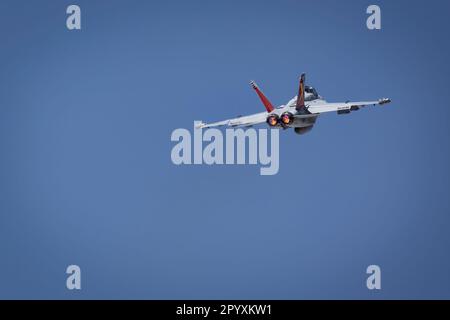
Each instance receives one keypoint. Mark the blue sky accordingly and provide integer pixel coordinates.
(86, 176)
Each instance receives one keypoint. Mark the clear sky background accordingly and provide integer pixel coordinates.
(86, 176)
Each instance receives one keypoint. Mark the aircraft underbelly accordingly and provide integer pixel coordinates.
(303, 122)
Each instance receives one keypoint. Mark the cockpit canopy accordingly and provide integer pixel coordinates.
(310, 93)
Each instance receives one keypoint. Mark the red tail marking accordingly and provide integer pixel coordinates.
(265, 101)
(301, 94)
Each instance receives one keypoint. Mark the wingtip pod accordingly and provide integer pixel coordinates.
(384, 101)
(200, 125)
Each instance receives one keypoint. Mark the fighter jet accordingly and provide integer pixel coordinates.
(300, 112)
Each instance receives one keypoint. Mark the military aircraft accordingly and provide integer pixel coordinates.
(299, 113)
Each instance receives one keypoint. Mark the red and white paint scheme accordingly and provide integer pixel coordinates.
(299, 113)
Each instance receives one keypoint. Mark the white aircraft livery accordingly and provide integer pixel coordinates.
(299, 113)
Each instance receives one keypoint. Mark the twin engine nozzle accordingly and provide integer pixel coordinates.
(285, 119)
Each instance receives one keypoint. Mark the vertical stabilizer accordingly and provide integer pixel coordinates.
(264, 100)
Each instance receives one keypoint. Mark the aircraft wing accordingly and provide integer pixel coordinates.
(245, 121)
(344, 107)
